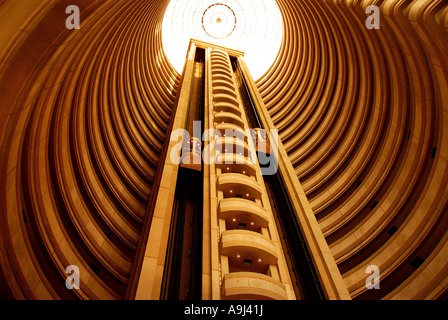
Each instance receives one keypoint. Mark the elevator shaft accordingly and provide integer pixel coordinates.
(182, 275)
(304, 278)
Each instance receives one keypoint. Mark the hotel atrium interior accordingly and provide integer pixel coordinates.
(92, 90)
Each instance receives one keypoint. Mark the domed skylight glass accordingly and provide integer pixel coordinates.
(252, 26)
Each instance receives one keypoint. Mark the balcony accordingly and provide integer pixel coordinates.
(227, 107)
(241, 211)
(229, 117)
(231, 131)
(224, 90)
(239, 185)
(232, 145)
(224, 97)
(235, 163)
(223, 78)
(252, 286)
(248, 246)
(221, 70)
(219, 82)
(220, 63)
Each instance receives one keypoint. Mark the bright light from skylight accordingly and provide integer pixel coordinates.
(252, 26)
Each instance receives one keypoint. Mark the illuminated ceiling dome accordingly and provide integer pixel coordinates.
(252, 26)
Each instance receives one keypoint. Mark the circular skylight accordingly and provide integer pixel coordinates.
(219, 21)
(252, 26)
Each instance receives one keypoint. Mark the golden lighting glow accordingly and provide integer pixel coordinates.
(252, 26)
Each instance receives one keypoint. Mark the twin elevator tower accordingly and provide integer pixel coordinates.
(230, 219)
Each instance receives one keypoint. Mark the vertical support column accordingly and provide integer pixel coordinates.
(152, 251)
(210, 262)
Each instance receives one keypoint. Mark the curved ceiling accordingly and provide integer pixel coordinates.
(252, 26)
(84, 114)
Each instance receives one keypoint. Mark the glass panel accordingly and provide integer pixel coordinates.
(252, 26)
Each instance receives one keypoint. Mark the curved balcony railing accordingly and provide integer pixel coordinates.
(220, 69)
(249, 245)
(236, 210)
(223, 82)
(229, 117)
(235, 163)
(224, 90)
(221, 97)
(253, 286)
(223, 78)
(222, 106)
(238, 185)
(231, 145)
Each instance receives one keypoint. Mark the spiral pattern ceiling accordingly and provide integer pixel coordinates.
(252, 26)
(84, 114)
